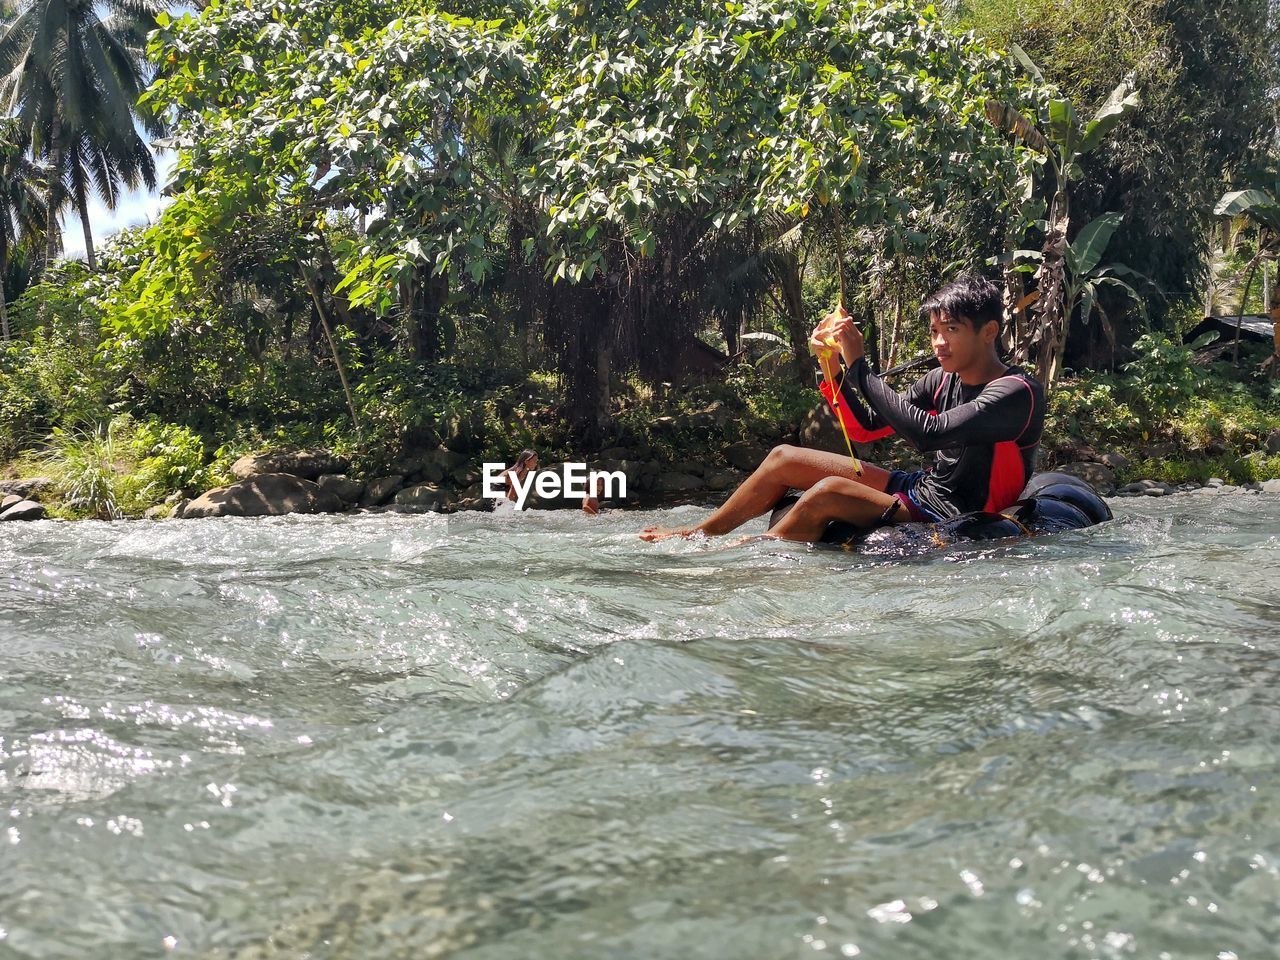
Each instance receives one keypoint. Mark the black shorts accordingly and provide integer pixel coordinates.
(902, 484)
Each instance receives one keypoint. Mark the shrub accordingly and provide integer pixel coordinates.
(94, 470)
(1163, 378)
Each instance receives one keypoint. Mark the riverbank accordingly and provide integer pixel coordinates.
(1173, 422)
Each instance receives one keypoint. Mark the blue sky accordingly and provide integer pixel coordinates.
(136, 207)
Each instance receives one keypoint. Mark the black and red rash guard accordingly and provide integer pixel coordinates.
(985, 436)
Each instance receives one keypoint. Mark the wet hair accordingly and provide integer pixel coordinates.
(970, 298)
(525, 456)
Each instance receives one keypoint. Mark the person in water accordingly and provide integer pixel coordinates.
(591, 502)
(980, 417)
(525, 464)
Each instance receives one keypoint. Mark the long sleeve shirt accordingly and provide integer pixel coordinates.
(984, 438)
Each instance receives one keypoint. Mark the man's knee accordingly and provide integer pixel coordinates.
(825, 489)
(781, 455)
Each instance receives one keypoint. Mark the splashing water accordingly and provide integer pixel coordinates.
(535, 736)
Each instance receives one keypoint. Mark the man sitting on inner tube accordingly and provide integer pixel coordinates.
(980, 417)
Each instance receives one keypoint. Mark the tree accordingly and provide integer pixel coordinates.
(1260, 207)
(22, 211)
(73, 80)
(650, 147)
(1207, 73)
(1061, 140)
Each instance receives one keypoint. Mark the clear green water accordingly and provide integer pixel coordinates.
(538, 738)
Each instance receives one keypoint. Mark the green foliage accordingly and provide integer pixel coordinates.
(93, 469)
(46, 381)
(118, 468)
(1163, 377)
(173, 458)
(478, 145)
(1095, 410)
(1205, 71)
(1197, 424)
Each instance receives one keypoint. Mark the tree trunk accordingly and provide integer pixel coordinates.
(423, 297)
(790, 284)
(1244, 302)
(891, 353)
(604, 366)
(522, 286)
(731, 329)
(4, 310)
(53, 236)
(1266, 286)
(333, 346)
(580, 315)
(1049, 334)
(1273, 310)
(82, 205)
(871, 328)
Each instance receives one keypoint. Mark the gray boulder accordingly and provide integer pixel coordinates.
(264, 495)
(9, 500)
(819, 430)
(1116, 461)
(346, 489)
(467, 476)
(745, 455)
(722, 479)
(1098, 475)
(691, 467)
(307, 464)
(422, 498)
(1271, 486)
(450, 460)
(23, 510)
(677, 483)
(710, 419)
(432, 466)
(379, 490)
(25, 487)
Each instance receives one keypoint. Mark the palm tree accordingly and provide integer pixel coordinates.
(73, 80)
(22, 211)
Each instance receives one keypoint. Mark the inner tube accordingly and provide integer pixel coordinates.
(1049, 503)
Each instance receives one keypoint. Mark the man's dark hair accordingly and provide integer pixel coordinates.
(968, 298)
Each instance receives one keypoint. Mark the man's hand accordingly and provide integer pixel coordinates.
(824, 334)
(839, 326)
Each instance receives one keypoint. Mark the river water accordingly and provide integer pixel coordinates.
(535, 737)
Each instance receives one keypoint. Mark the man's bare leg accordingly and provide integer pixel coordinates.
(835, 498)
(786, 466)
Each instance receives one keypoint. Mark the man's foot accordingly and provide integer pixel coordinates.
(654, 534)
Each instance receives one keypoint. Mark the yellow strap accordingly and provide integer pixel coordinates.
(827, 360)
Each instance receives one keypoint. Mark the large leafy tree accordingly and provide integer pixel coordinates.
(622, 159)
(73, 79)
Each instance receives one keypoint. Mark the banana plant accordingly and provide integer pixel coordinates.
(1059, 139)
(1260, 207)
(1086, 275)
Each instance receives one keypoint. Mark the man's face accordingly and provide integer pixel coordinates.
(956, 344)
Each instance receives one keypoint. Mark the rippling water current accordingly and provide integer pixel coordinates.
(536, 737)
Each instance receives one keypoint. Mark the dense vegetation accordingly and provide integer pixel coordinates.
(394, 224)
